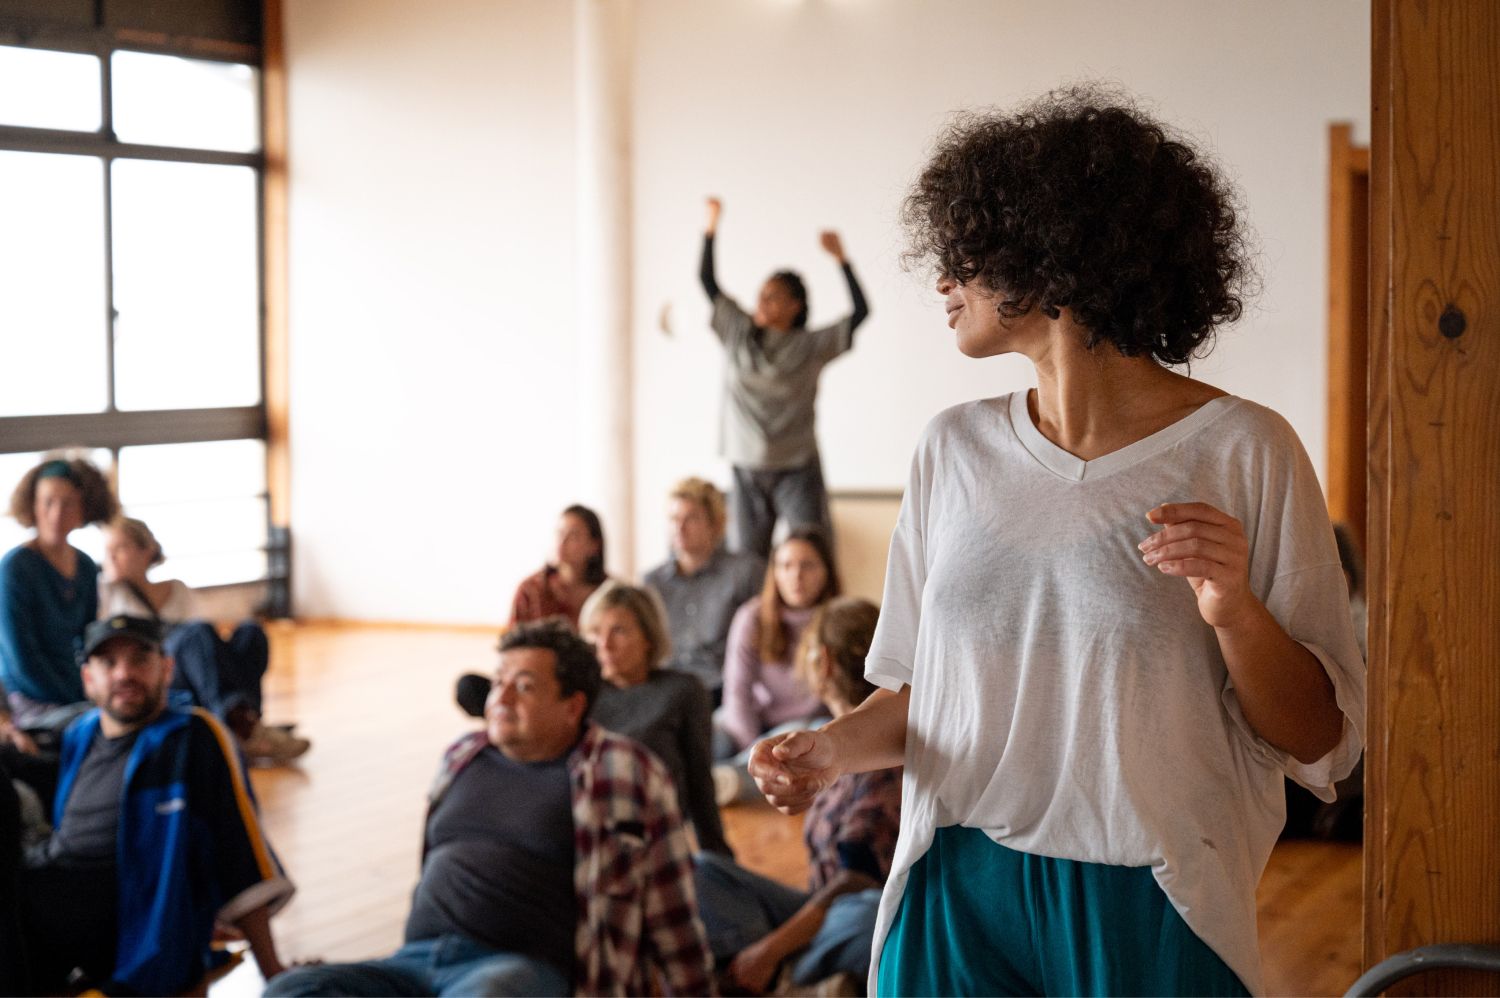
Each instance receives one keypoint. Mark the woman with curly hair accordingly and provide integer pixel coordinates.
(1114, 614)
(48, 594)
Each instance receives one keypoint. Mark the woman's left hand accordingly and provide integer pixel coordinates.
(1207, 547)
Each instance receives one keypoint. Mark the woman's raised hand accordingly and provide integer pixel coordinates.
(831, 242)
(715, 209)
(792, 769)
(1207, 547)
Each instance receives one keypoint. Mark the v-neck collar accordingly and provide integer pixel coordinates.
(1075, 469)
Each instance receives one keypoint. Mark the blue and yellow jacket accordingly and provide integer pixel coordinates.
(190, 847)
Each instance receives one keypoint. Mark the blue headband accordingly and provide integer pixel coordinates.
(57, 469)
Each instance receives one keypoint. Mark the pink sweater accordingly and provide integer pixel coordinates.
(760, 695)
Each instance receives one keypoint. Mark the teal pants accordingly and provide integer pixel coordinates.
(980, 919)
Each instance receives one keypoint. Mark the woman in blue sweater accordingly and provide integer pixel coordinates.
(49, 592)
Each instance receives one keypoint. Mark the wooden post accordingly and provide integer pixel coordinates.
(274, 269)
(1432, 834)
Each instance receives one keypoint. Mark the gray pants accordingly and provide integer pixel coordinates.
(761, 497)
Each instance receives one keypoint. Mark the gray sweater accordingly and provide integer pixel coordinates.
(669, 714)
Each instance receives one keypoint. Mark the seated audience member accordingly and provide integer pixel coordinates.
(48, 595)
(1342, 819)
(222, 676)
(761, 689)
(555, 860)
(665, 710)
(562, 587)
(703, 583)
(757, 925)
(155, 836)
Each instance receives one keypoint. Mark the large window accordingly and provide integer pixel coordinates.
(130, 287)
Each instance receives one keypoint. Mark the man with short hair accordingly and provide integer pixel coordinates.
(155, 838)
(555, 860)
(703, 583)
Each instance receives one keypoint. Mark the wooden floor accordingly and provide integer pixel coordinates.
(377, 703)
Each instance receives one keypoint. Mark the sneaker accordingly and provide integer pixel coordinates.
(728, 785)
(274, 744)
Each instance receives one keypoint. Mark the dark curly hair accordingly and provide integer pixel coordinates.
(1079, 200)
(577, 667)
(99, 503)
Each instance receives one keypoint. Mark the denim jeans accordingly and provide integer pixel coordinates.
(796, 496)
(446, 965)
(219, 674)
(739, 908)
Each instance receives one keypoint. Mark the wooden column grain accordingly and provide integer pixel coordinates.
(1348, 327)
(1432, 870)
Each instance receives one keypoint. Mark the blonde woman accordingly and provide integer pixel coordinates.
(222, 676)
(665, 710)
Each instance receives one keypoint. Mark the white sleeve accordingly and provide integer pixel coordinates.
(1295, 571)
(893, 651)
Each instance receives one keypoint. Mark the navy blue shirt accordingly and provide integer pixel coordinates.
(499, 863)
(42, 617)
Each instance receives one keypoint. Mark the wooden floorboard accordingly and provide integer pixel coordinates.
(378, 703)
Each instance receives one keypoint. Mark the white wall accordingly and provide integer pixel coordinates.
(432, 239)
(432, 320)
(804, 115)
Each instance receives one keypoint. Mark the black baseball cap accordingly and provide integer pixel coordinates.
(138, 629)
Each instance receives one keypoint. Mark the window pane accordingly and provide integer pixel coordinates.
(52, 311)
(42, 89)
(167, 473)
(204, 540)
(205, 503)
(186, 286)
(164, 100)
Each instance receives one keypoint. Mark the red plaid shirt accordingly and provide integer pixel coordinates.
(638, 926)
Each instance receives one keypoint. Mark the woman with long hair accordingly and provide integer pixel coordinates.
(575, 572)
(761, 687)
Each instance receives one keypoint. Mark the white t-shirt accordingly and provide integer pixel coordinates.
(116, 597)
(1068, 698)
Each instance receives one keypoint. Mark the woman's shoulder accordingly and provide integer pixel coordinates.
(750, 609)
(17, 560)
(967, 417)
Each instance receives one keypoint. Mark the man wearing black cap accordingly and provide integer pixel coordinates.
(155, 837)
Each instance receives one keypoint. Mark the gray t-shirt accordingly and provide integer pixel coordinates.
(88, 834)
(499, 863)
(771, 387)
(701, 606)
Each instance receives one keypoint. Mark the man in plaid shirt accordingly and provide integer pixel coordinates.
(555, 859)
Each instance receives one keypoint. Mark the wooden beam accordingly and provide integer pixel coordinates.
(274, 287)
(1433, 767)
